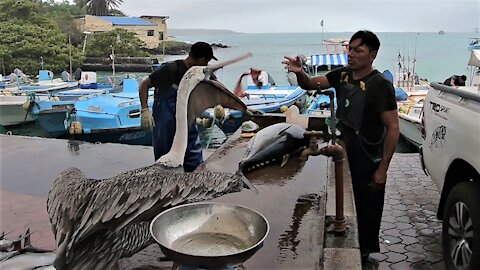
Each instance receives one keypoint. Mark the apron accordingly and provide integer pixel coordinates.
(351, 105)
(363, 157)
(164, 108)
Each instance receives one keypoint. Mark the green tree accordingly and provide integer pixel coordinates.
(26, 34)
(125, 44)
(61, 8)
(99, 7)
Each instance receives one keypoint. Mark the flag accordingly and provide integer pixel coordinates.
(321, 22)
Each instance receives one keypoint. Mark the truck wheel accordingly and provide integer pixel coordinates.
(461, 227)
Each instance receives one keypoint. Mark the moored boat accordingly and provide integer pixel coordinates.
(267, 99)
(109, 118)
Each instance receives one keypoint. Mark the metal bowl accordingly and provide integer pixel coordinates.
(209, 234)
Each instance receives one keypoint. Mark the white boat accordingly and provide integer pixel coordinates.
(410, 111)
(12, 111)
(334, 55)
(410, 108)
(409, 120)
(12, 99)
(474, 43)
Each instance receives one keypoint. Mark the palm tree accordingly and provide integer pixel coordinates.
(98, 7)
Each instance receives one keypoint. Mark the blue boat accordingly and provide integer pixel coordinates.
(267, 99)
(110, 118)
(320, 104)
(51, 113)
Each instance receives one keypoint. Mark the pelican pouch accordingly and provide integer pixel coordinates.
(351, 105)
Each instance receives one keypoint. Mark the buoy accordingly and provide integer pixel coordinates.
(219, 112)
(199, 121)
(283, 109)
(26, 105)
(75, 128)
(207, 122)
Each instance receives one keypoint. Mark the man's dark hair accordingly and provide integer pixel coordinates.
(368, 39)
(464, 78)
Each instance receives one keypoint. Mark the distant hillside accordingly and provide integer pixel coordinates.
(188, 32)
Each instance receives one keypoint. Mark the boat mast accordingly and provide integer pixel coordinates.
(415, 60)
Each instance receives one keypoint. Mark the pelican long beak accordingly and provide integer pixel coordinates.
(211, 69)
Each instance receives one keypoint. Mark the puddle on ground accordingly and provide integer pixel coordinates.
(289, 197)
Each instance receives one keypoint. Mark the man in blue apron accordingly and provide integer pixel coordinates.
(166, 80)
(368, 120)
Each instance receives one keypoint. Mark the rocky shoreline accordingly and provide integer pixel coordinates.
(141, 64)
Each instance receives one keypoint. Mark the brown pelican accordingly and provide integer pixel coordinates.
(96, 222)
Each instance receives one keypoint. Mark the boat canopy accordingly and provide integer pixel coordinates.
(474, 58)
(337, 59)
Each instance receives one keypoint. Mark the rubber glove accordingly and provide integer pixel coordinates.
(147, 120)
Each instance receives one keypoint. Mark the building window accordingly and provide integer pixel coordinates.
(160, 35)
(150, 33)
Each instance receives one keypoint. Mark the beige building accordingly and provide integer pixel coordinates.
(150, 29)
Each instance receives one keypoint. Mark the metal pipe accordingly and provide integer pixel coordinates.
(336, 151)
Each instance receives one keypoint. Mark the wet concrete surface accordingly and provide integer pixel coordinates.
(290, 197)
(29, 165)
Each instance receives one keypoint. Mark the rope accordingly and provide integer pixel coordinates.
(70, 117)
(211, 131)
(221, 121)
(31, 100)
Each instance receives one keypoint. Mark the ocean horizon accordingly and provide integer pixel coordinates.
(438, 56)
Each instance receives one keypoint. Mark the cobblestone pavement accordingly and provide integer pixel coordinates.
(410, 234)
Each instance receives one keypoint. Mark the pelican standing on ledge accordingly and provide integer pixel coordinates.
(97, 222)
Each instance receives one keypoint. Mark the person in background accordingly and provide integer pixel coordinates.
(166, 80)
(456, 80)
(258, 77)
(368, 120)
(255, 77)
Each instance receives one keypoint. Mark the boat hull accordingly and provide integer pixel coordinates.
(12, 112)
(132, 135)
(52, 121)
(410, 128)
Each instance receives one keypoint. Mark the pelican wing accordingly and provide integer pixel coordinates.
(79, 207)
(208, 94)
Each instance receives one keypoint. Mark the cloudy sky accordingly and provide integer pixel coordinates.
(261, 16)
(280, 16)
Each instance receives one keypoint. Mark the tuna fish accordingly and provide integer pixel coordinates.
(273, 144)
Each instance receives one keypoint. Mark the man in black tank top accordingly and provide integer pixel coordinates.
(368, 120)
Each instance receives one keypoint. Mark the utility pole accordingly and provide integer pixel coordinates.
(70, 56)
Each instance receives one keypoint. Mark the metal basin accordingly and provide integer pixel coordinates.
(209, 234)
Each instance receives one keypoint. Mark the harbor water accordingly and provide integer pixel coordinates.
(436, 57)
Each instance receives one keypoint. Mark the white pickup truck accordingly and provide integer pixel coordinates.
(450, 154)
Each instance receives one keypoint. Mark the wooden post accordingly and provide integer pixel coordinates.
(70, 56)
(113, 64)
